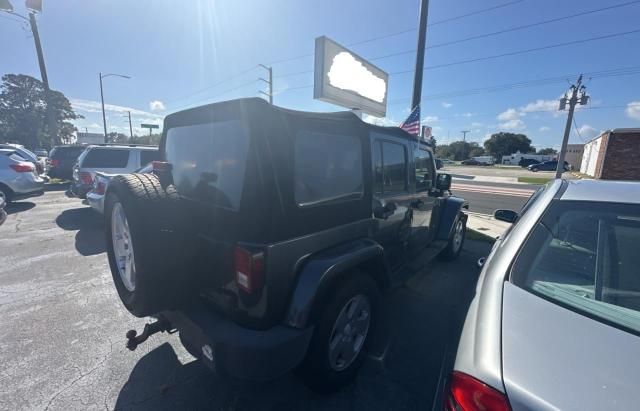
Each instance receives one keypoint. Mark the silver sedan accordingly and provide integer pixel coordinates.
(18, 177)
(555, 321)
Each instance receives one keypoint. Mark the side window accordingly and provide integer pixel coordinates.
(584, 256)
(327, 167)
(394, 167)
(147, 156)
(424, 169)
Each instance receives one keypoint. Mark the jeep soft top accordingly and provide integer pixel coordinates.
(263, 229)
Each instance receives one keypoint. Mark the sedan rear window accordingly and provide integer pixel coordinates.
(209, 161)
(106, 158)
(583, 255)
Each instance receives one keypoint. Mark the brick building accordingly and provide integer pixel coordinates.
(613, 155)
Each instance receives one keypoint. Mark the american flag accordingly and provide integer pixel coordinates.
(412, 124)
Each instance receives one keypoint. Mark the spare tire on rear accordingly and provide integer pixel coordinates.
(149, 243)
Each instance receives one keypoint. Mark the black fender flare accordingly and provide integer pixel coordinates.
(451, 207)
(317, 273)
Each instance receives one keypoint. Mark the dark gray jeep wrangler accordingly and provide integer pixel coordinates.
(266, 235)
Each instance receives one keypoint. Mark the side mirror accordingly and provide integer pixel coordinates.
(505, 215)
(443, 182)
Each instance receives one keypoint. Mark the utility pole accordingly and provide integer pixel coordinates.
(104, 116)
(422, 38)
(578, 96)
(269, 82)
(464, 142)
(130, 127)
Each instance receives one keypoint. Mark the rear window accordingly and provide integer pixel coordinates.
(209, 161)
(106, 158)
(67, 153)
(147, 156)
(327, 167)
(584, 256)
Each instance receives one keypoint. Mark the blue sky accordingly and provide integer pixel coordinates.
(181, 54)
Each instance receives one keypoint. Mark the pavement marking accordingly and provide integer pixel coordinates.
(505, 191)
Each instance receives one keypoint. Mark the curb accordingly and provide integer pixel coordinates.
(479, 236)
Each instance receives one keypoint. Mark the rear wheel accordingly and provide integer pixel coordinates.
(5, 193)
(456, 241)
(343, 331)
(148, 244)
(534, 169)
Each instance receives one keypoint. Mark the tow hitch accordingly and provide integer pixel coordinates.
(133, 339)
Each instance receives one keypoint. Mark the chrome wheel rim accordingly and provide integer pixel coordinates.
(458, 234)
(349, 332)
(122, 247)
(3, 196)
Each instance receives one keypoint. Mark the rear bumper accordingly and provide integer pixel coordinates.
(79, 190)
(238, 351)
(96, 201)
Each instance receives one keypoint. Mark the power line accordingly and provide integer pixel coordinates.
(575, 127)
(524, 51)
(397, 33)
(209, 98)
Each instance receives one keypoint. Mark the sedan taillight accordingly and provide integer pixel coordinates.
(249, 268)
(22, 167)
(85, 177)
(54, 162)
(469, 394)
(99, 187)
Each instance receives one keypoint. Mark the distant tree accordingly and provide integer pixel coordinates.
(547, 151)
(153, 139)
(501, 144)
(117, 138)
(459, 150)
(23, 111)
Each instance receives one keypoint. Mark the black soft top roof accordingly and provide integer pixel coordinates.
(255, 109)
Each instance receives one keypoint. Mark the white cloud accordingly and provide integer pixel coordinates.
(509, 115)
(89, 106)
(633, 110)
(587, 132)
(348, 73)
(446, 105)
(544, 129)
(540, 105)
(466, 114)
(513, 124)
(156, 105)
(430, 119)
(476, 124)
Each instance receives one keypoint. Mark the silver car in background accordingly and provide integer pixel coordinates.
(95, 197)
(18, 177)
(555, 321)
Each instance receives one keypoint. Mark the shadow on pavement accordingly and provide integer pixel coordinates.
(18, 207)
(90, 236)
(411, 355)
(56, 186)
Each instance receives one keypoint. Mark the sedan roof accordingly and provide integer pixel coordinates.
(604, 191)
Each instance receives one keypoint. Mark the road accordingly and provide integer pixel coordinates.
(485, 197)
(62, 330)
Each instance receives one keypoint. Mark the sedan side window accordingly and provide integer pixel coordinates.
(584, 256)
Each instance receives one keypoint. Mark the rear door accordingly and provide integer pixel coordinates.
(422, 203)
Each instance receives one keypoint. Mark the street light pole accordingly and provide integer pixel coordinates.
(104, 116)
(464, 142)
(130, 127)
(422, 37)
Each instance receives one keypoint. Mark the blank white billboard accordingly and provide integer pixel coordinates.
(346, 79)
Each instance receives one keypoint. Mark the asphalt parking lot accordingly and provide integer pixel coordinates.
(62, 331)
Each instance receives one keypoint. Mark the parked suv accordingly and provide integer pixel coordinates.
(113, 159)
(62, 159)
(266, 235)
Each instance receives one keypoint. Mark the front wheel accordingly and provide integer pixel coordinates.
(535, 170)
(456, 240)
(343, 331)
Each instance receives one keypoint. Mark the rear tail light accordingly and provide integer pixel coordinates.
(54, 163)
(99, 187)
(468, 394)
(249, 268)
(22, 167)
(85, 178)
